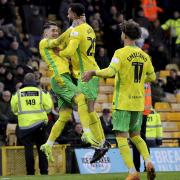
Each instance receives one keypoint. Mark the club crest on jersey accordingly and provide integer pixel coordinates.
(115, 60)
(74, 33)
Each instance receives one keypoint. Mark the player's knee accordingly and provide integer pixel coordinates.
(80, 99)
(90, 104)
(65, 115)
(133, 134)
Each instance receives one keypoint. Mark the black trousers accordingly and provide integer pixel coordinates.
(38, 138)
(136, 154)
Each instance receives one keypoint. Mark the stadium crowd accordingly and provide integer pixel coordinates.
(21, 23)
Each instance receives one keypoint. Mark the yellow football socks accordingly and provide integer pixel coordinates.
(96, 127)
(64, 116)
(141, 146)
(82, 111)
(126, 153)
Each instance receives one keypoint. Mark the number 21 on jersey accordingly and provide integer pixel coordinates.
(91, 49)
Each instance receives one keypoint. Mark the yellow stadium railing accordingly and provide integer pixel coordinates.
(13, 160)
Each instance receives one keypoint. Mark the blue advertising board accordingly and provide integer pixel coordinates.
(164, 159)
(110, 163)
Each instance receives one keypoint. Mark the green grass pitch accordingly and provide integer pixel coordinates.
(119, 176)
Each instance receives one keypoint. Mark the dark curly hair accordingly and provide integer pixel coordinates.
(131, 29)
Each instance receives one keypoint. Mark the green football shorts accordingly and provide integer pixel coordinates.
(127, 121)
(89, 89)
(64, 88)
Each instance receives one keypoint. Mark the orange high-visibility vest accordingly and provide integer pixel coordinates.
(148, 99)
(150, 9)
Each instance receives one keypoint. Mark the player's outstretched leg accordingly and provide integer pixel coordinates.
(64, 116)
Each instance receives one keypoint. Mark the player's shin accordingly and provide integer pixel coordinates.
(126, 153)
(85, 118)
(96, 127)
(64, 116)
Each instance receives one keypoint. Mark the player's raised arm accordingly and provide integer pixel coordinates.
(72, 46)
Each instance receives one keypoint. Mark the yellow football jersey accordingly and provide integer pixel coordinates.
(49, 52)
(81, 49)
(65, 38)
(131, 65)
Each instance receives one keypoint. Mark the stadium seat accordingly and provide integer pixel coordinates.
(173, 116)
(172, 66)
(110, 81)
(164, 73)
(102, 98)
(163, 116)
(170, 97)
(110, 98)
(175, 106)
(170, 126)
(106, 89)
(102, 81)
(107, 106)
(170, 143)
(98, 107)
(162, 106)
(11, 134)
(178, 98)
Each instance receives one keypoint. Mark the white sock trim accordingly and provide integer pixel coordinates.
(50, 143)
(132, 170)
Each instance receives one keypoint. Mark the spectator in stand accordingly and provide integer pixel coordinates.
(106, 121)
(2, 73)
(36, 23)
(144, 35)
(156, 34)
(102, 58)
(151, 9)
(15, 50)
(63, 9)
(141, 20)
(19, 74)
(160, 57)
(18, 86)
(74, 137)
(173, 82)
(173, 25)
(9, 82)
(11, 61)
(7, 13)
(4, 42)
(99, 33)
(6, 115)
(26, 47)
(111, 33)
(1, 88)
(158, 94)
